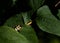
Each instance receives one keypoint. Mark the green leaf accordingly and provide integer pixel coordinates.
(19, 19)
(58, 13)
(15, 20)
(47, 22)
(29, 33)
(27, 17)
(26, 30)
(35, 4)
(9, 35)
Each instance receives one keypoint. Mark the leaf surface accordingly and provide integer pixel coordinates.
(9, 35)
(47, 22)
